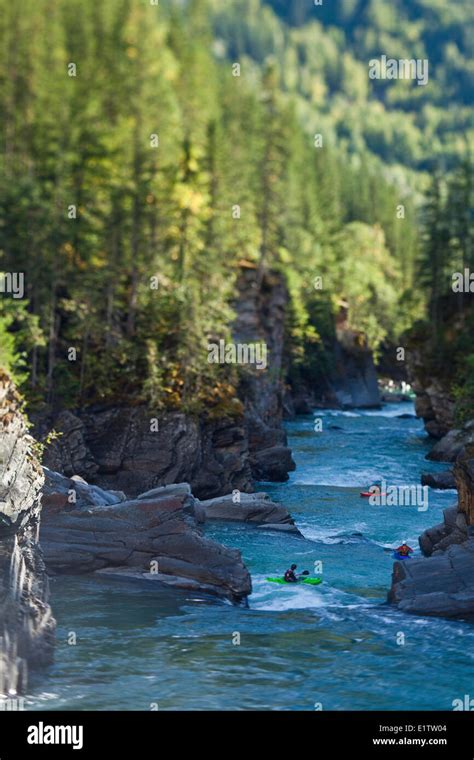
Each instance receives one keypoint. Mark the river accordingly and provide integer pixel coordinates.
(337, 646)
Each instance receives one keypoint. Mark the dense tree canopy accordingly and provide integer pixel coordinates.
(147, 150)
(323, 52)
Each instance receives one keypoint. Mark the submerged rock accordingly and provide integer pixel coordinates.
(280, 528)
(27, 625)
(163, 580)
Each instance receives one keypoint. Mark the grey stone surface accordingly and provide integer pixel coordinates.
(439, 480)
(449, 446)
(451, 531)
(139, 534)
(354, 378)
(272, 464)
(441, 585)
(27, 625)
(252, 508)
(260, 317)
(130, 455)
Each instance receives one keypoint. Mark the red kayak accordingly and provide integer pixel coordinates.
(366, 494)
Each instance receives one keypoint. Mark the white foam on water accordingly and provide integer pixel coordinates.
(387, 410)
(340, 413)
(351, 479)
(296, 599)
(44, 696)
(331, 536)
(387, 620)
(276, 598)
(392, 410)
(323, 535)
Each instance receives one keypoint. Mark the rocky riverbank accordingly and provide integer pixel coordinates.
(154, 537)
(434, 402)
(132, 448)
(27, 625)
(151, 537)
(442, 583)
(453, 444)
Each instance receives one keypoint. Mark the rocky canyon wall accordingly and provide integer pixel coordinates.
(27, 625)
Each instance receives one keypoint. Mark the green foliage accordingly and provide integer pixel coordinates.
(10, 359)
(447, 240)
(323, 53)
(179, 173)
(464, 392)
(19, 332)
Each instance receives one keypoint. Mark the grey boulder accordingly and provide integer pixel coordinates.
(439, 480)
(442, 585)
(145, 535)
(453, 444)
(250, 508)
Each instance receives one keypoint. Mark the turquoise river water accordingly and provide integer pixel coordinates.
(336, 646)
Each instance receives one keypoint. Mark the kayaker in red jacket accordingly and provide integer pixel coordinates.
(404, 550)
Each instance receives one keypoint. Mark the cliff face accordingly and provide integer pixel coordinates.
(344, 376)
(454, 444)
(261, 306)
(26, 622)
(442, 583)
(354, 381)
(464, 476)
(434, 403)
(131, 449)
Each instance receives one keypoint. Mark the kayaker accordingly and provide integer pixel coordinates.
(290, 575)
(404, 550)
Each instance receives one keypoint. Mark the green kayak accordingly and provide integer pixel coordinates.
(308, 581)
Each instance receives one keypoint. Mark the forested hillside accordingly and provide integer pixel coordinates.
(323, 52)
(140, 169)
